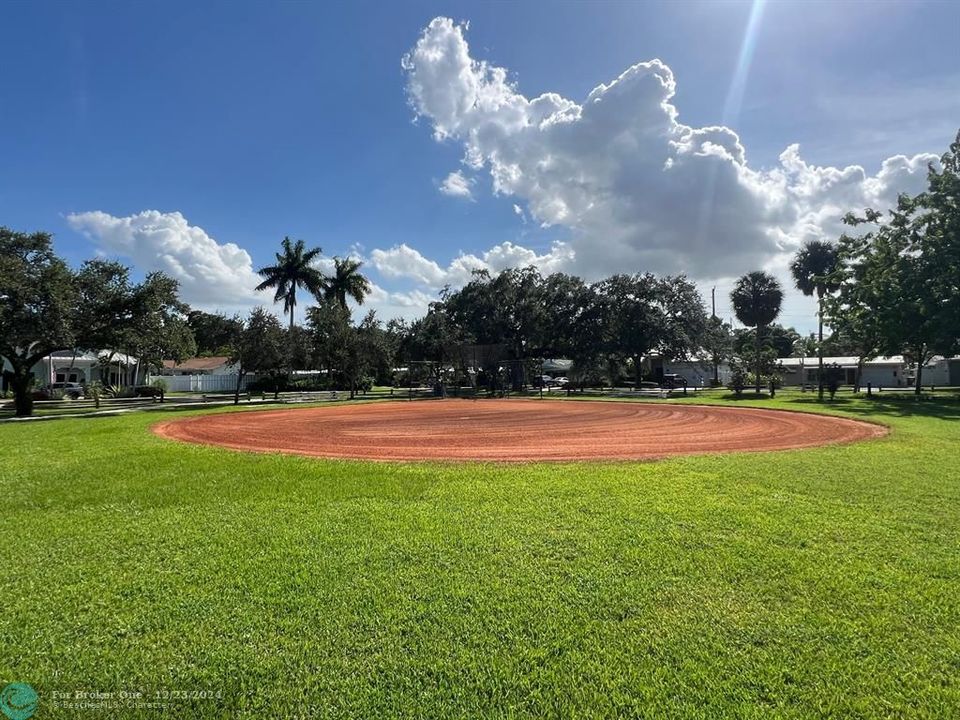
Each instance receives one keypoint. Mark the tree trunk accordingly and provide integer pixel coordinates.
(756, 347)
(918, 384)
(236, 392)
(637, 371)
(820, 347)
(19, 381)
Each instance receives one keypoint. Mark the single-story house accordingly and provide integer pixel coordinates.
(557, 367)
(215, 365)
(106, 366)
(880, 372)
(698, 372)
(942, 371)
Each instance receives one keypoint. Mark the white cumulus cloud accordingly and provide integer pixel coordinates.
(635, 188)
(456, 184)
(212, 275)
(403, 261)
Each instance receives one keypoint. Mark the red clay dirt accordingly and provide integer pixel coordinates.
(515, 430)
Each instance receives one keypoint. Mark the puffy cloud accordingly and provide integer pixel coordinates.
(635, 187)
(214, 275)
(457, 185)
(211, 274)
(402, 261)
(410, 305)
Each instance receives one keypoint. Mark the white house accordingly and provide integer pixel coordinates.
(942, 371)
(879, 372)
(105, 366)
(698, 372)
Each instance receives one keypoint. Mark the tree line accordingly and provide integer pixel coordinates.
(890, 285)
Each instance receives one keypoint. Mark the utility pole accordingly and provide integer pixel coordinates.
(713, 314)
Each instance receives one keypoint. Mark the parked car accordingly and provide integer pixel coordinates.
(671, 381)
(543, 381)
(561, 381)
(69, 390)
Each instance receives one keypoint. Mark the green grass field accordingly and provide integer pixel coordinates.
(814, 583)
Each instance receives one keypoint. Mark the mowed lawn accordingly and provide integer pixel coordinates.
(814, 583)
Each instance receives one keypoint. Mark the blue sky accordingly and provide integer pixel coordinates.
(255, 120)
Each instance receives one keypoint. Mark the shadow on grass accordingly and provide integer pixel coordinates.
(943, 407)
(158, 407)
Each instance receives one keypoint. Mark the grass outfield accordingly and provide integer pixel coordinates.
(811, 583)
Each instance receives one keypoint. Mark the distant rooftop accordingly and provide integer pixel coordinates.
(198, 363)
(841, 360)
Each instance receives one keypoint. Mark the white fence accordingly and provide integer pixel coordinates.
(201, 383)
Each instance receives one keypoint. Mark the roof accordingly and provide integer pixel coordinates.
(555, 364)
(112, 357)
(198, 363)
(102, 356)
(61, 356)
(841, 360)
(940, 358)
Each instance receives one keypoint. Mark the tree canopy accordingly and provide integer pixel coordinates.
(899, 280)
(46, 306)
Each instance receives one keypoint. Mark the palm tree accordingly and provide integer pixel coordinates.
(292, 271)
(346, 281)
(812, 269)
(756, 301)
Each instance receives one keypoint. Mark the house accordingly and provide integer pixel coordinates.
(941, 371)
(105, 366)
(698, 372)
(557, 367)
(879, 372)
(215, 365)
(202, 374)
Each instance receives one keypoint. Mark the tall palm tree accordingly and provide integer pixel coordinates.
(346, 281)
(292, 271)
(756, 301)
(812, 268)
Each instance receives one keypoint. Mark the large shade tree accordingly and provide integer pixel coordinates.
(900, 289)
(292, 271)
(45, 307)
(630, 318)
(257, 347)
(814, 270)
(756, 299)
(162, 331)
(644, 314)
(213, 332)
(38, 303)
(505, 310)
(328, 325)
(346, 282)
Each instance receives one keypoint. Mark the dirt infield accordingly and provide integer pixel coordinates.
(515, 430)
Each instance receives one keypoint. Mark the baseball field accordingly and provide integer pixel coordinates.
(682, 578)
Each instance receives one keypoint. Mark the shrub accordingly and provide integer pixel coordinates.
(739, 379)
(94, 390)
